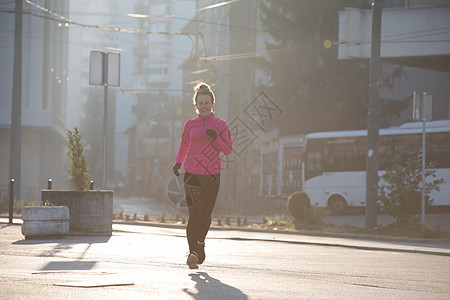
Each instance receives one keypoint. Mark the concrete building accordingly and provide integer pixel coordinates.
(414, 34)
(149, 55)
(157, 92)
(44, 87)
(85, 102)
(56, 93)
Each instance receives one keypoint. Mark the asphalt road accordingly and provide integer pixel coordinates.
(141, 262)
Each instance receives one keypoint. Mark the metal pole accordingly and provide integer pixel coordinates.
(16, 105)
(105, 114)
(11, 201)
(373, 118)
(423, 160)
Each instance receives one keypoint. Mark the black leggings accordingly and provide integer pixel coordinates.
(201, 194)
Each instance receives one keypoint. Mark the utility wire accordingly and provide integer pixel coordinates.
(399, 38)
(245, 55)
(217, 5)
(58, 17)
(419, 33)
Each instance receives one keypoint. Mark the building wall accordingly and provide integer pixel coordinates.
(415, 36)
(418, 31)
(44, 66)
(157, 94)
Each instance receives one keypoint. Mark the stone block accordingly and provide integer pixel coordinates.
(44, 221)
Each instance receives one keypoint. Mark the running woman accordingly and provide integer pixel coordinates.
(202, 141)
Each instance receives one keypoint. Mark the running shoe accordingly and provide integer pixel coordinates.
(192, 260)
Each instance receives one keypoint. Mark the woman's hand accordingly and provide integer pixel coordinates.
(212, 133)
(176, 167)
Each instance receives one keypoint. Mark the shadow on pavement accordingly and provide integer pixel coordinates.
(4, 226)
(64, 244)
(211, 288)
(69, 265)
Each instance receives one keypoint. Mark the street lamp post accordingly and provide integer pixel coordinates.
(422, 112)
(104, 70)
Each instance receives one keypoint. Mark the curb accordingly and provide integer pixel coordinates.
(399, 239)
(304, 232)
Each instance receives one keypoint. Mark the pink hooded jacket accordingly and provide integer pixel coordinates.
(200, 150)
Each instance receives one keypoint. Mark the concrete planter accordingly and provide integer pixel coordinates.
(44, 221)
(91, 212)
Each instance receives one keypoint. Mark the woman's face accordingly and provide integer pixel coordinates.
(204, 105)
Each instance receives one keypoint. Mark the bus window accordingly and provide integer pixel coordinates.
(438, 149)
(407, 144)
(386, 150)
(391, 145)
(313, 164)
(344, 154)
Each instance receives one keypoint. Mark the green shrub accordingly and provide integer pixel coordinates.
(300, 208)
(298, 205)
(399, 191)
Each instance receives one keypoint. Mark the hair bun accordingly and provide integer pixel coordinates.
(202, 87)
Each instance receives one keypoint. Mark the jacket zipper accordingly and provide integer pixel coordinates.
(204, 120)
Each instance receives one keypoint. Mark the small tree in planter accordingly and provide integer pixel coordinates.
(90, 210)
(79, 166)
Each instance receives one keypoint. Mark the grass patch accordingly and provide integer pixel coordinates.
(284, 222)
(278, 223)
(411, 230)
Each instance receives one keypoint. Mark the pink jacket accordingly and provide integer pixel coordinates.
(200, 150)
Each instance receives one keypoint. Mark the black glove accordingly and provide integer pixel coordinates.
(176, 167)
(212, 133)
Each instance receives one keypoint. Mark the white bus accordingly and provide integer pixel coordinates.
(334, 164)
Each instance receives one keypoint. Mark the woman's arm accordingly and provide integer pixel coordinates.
(223, 142)
(185, 141)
